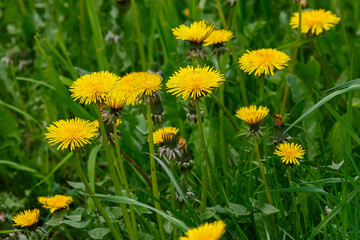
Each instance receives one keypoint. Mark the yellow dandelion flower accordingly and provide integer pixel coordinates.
(147, 83)
(71, 133)
(93, 87)
(161, 134)
(197, 32)
(252, 115)
(289, 153)
(263, 61)
(207, 231)
(56, 202)
(26, 218)
(116, 98)
(194, 82)
(315, 21)
(218, 36)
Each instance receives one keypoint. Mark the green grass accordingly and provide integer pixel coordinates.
(45, 45)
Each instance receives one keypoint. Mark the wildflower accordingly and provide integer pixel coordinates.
(207, 231)
(56, 202)
(195, 34)
(315, 21)
(217, 39)
(194, 82)
(116, 99)
(162, 134)
(253, 116)
(185, 162)
(263, 61)
(94, 87)
(71, 133)
(289, 153)
(147, 83)
(26, 218)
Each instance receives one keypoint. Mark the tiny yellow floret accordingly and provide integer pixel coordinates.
(207, 231)
(73, 133)
(56, 202)
(289, 153)
(315, 21)
(26, 218)
(263, 61)
(194, 82)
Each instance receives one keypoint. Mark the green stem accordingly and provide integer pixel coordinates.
(98, 205)
(226, 112)
(295, 205)
(113, 176)
(138, 34)
(292, 63)
(173, 205)
(204, 158)
(155, 187)
(261, 168)
(123, 178)
(262, 87)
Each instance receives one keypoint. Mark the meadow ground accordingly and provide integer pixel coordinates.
(138, 120)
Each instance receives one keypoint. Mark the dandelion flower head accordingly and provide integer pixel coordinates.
(197, 32)
(56, 202)
(73, 133)
(252, 115)
(116, 98)
(26, 218)
(289, 153)
(315, 21)
(147, 83)
(218, 36)
(161, 134)
(207, 231)
(93, 87)
(194, 82)
(263, 61)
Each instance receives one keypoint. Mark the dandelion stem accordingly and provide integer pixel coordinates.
(261, 168)
(292, 63)
(99, 206)
(295, 205)
(262, 87)
(173, 205)
(155, 187)
(123, 178)
(113, 175)
(226, 112)
(204, 158)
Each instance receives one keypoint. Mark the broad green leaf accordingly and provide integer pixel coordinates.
(77, 185)
(57, 218)
(76, 224)
(75, 215)
(265, 208)
(344, 85)
(98, 233)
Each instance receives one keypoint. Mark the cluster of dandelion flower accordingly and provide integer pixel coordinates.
(208, 231)
(196, 33)
(314, 21)
(289, 153)
(263, 61)
(253, 116)
(56, 202)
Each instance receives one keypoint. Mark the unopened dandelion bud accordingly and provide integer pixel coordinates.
(280, 136)
(191, 112)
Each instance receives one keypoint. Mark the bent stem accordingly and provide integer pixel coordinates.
(261, 168)
(155, 187)
(204, 158)
(98, 205)
(113, 176)
(292, 63)
(123, 178)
